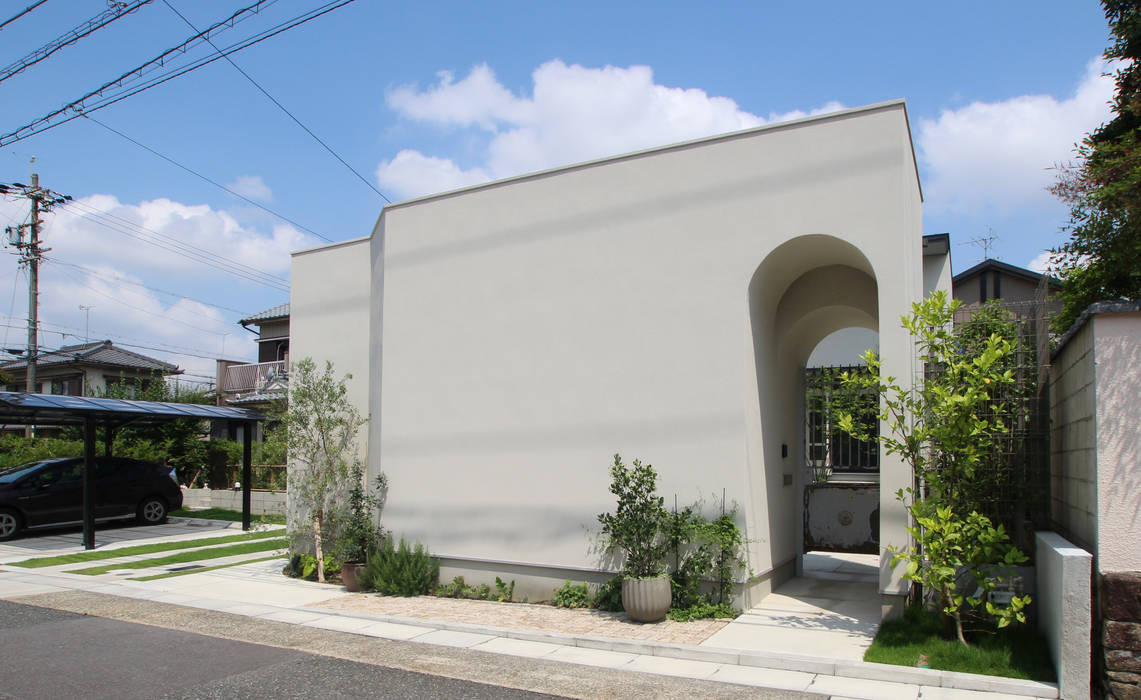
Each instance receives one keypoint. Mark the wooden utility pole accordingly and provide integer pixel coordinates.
(42, 200)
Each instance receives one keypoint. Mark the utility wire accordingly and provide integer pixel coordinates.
(71, 36)
(170, 244)
(280, 106)
(21, 13)
(121, 280)
(199, 175)
(78, 333)
(76, 107)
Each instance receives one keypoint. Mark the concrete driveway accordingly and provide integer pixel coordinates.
(68, 539)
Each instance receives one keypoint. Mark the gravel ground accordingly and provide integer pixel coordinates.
(526, 616)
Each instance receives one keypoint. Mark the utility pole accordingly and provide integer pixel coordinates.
(42, 201)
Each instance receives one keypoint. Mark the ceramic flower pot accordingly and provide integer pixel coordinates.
(350, 575)
(646, 599)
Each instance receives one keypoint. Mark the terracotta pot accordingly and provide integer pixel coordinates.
(646, 599)
(350, 575)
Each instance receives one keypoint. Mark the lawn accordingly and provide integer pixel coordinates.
(192, 556)
(1018, 651)
(234, 516)
(80, 557)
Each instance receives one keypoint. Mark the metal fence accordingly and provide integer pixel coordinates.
(828, 450)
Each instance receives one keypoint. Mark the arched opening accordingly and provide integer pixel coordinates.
(803, 292)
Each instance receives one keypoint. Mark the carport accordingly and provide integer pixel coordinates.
(112, 414)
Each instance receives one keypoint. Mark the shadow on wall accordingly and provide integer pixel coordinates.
(1119, 441)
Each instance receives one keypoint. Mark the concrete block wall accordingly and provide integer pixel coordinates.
(1064, 615)
(1073, 447)
(261, 502)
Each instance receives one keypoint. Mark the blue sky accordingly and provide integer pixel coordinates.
(420, 97)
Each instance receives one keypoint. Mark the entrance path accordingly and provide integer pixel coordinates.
(832, 610)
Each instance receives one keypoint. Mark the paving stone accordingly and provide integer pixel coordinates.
(668, 666)
(861, 688)
(392, 630)
(764, 677)
(592, 657)
(518, 647)
(452, 638)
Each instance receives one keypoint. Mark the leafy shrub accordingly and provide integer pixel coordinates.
(400, 570)
(635, 527)
(572, 596)
(702, 610)
(609, 596)
(459, 589)
(504, 592)
(305, 566)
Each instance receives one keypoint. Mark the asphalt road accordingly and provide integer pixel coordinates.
(46, 653)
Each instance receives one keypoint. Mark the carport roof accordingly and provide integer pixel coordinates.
(17, 407)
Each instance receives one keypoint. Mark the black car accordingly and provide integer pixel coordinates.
(50, 492)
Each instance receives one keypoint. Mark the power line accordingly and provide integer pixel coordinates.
(121, 280)
(77, 333)
(203, 177)
(201, 255)
(280, 106)
(21, 13)
(71, 36)
(77, 107)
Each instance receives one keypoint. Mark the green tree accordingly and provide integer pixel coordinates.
(945, 428)
(1102, 258)
(321, 427)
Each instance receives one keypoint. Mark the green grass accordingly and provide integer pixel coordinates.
(1018, 651)
(234, 516)
(184, 557)
(81, 557)
(172, 574)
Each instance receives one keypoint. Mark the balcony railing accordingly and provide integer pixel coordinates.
(256, 378)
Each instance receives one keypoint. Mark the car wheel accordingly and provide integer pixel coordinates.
(10, 524)
(152, 511)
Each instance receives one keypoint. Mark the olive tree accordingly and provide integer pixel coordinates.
(321, 427)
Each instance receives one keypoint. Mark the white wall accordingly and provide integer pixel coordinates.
(1064, 617)
(524, 331)
(1117, 346)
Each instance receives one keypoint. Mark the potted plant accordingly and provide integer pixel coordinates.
(635, 528)
(360, 535)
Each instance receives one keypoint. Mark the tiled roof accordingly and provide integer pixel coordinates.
(101, 352)
(275, 312)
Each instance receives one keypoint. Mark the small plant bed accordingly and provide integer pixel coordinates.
(202, 570)
(1016, 651)
(263, 545)
(234, 516)
(80, 557)
(502, 593)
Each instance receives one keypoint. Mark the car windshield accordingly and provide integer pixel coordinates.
(11, 474)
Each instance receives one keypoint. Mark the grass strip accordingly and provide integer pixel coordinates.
(1018, 651)
(80, 557)
(184, 557)
(234, 516)
(172, 574)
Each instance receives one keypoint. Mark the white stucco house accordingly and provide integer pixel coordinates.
(507, 339)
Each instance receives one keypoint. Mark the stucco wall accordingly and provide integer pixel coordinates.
(1063, 610)
(1073, 457)
(1117, 347)
(525, 331)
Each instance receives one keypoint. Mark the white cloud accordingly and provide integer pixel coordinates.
(1041, 262)
(100, 234)
(574, 113)
(252, 186)
(997, 156)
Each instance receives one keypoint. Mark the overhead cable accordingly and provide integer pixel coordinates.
(78, 106)
(199, 175)
(21, 13)
(112, 13)
(282, 107)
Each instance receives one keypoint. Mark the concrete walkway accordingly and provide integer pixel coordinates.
(832, 610)
(748, 657)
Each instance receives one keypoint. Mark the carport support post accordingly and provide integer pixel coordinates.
(89, 483)
(247, 472)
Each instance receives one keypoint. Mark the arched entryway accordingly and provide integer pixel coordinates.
(803, 291)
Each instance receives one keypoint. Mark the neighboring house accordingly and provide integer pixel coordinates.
(506, 339)
(258, 383)
(87, 369)
(994, 279)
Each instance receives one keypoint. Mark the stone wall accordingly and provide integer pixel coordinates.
(1121, 634)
